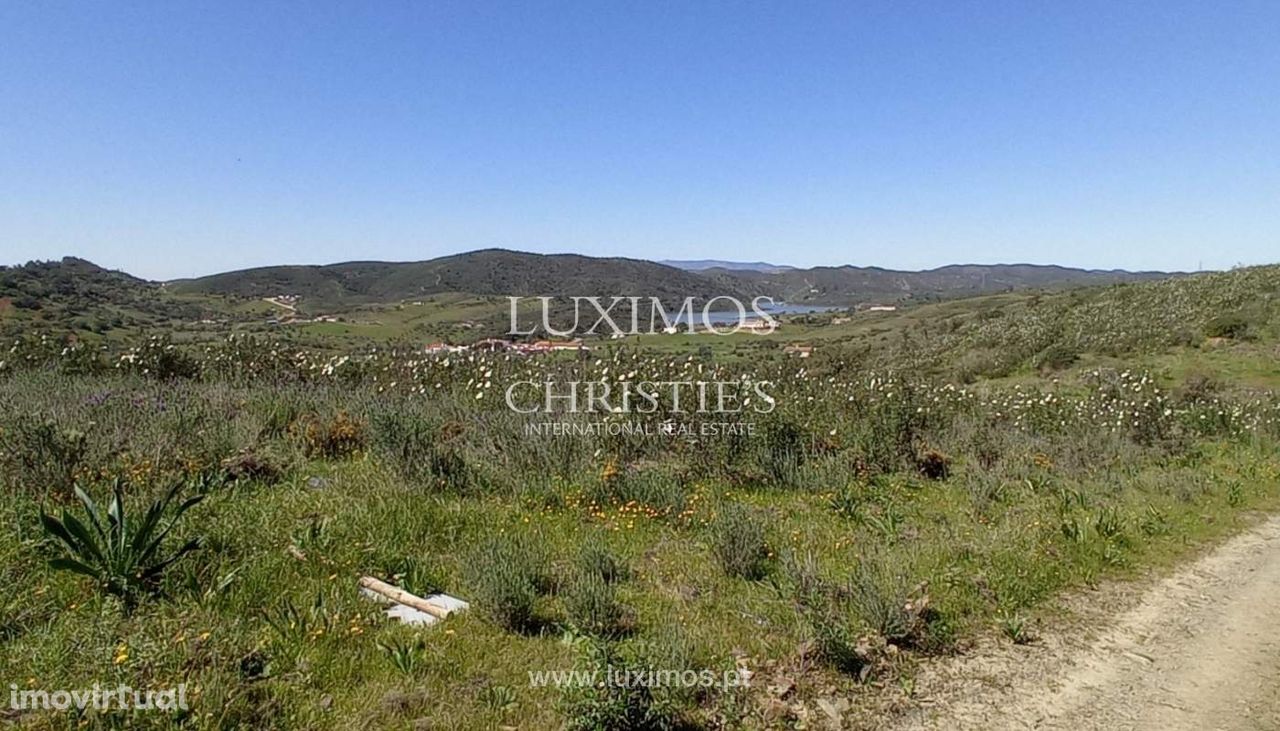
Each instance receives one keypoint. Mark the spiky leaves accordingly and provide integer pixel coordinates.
(125, 556)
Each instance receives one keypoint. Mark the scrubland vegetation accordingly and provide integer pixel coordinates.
(894, 505)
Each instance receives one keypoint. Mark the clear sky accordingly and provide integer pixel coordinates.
(180, 138)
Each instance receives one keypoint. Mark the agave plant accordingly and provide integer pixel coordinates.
(123, 555)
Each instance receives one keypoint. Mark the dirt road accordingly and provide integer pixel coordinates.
(1199, 649)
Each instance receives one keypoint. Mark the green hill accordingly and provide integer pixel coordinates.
(501, 272)
(994, 336)
(75, 294)
(851, 285)
(487, 272)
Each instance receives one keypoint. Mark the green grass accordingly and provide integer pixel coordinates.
(979, 565)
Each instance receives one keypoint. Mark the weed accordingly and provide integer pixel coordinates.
(250, 465)
(934, 465)
(1109, 523)
(1014, 627)
(337, 437)
(125, 558)
(596, 558)
(593, 608)
(784, 449)
(1154, 522)
(656, 488)
(292, 624)
(1235, 494)
(507, 576)
(423, 453)
(739, 543)
(616, 706)
(498, 698)
(405, 655)
(38, 455)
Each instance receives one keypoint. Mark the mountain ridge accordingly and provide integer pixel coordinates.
(503, 272)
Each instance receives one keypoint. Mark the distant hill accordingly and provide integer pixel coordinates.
(502, 272)
(485, 272)
(698, 265)
(851, 285)
(77, 294)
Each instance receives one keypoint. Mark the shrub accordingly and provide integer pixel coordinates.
(738, 541)
(889, 429)
(842, 642)
(507, 576)
(657, 488)
(1201, 388)
(784, 449)
(1232, 326)
(854, 623)
(251, 466)
(421, 452)
(338, 437)
(593, 608)
(887, 606)
(934, 465)
(596, 558)
(123, 556)
(159, 358)
(1055, 358)
(617, 706)
(41, 456)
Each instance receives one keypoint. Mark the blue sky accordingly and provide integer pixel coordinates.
(183, 138)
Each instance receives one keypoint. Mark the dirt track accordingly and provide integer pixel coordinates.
(1199, 649)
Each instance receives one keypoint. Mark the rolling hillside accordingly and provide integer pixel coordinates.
(998, 335)
(848, 285)
(486, 272)
(80, 295)
(502, 272)
(77, 294)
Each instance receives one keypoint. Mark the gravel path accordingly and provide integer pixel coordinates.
(1199, 649)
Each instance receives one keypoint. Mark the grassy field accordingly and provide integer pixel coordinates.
(921, 481)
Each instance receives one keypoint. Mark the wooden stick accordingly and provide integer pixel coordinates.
(400, 596)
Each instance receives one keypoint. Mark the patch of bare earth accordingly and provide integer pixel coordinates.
(1197, 649)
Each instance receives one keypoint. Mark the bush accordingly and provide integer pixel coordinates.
(252, 466)
(1055, 358)
(657, 488)
(616, 706)
(596, 558)
(421, 452)
(934, 465)
(784, 449)
(159, 358)
(887, 606)
(1231, 326)
(337, 437)
(41, 456)
(738, 541)
(842, 642)
(857, 624)
(593, 608)
(507, 576)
